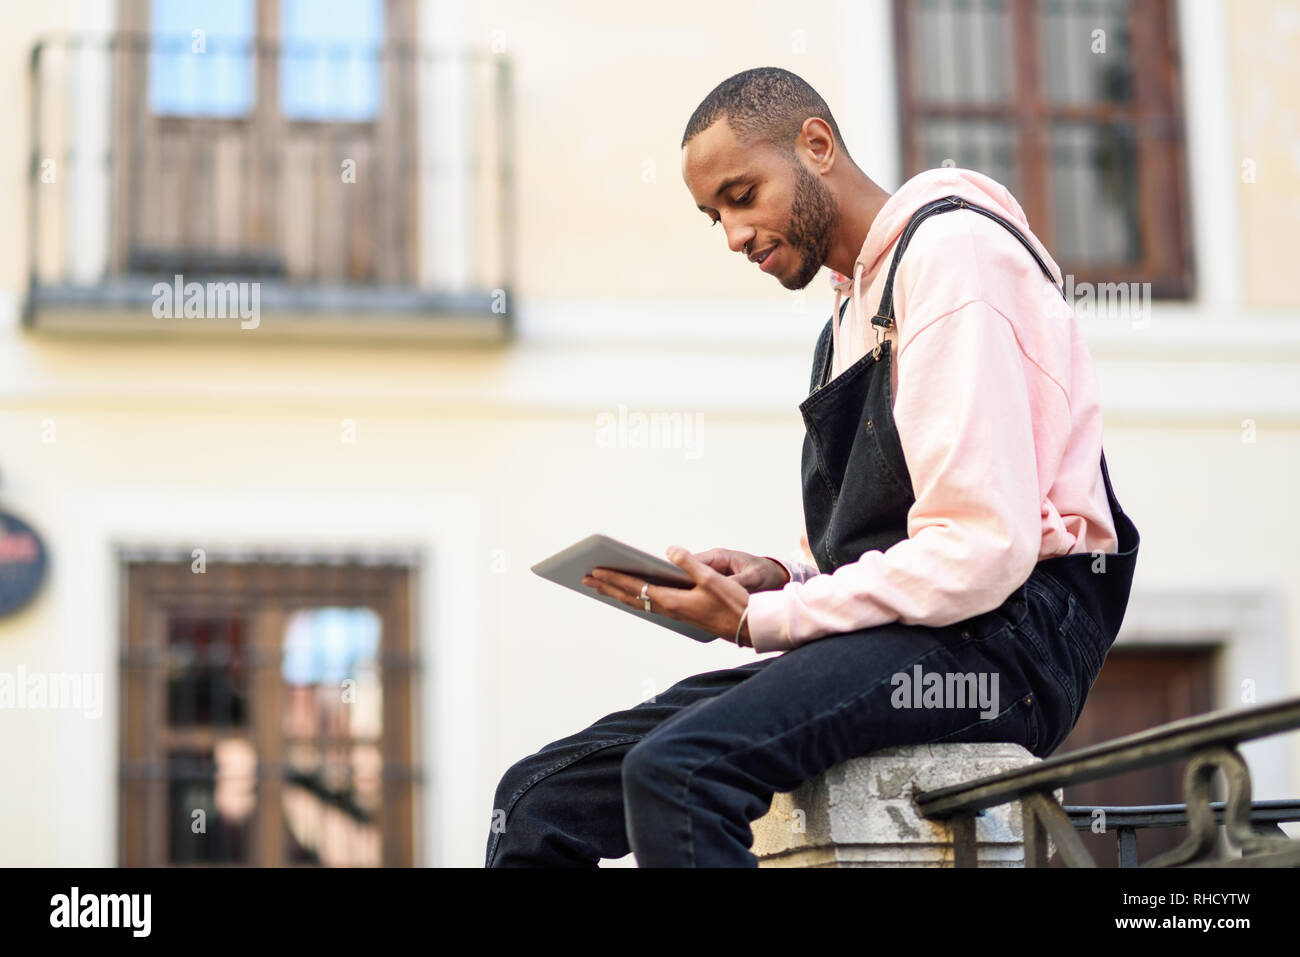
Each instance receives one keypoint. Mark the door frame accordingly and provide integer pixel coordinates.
(1247, 628)
(265, 594)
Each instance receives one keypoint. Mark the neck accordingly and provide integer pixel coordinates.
(860, 199)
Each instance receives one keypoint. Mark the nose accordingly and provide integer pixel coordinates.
(738, 236)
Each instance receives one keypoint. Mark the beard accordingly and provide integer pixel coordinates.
(813, 218)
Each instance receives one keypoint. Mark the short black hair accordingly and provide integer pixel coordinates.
(766, 104)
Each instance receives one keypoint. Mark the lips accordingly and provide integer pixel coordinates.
(765, 260)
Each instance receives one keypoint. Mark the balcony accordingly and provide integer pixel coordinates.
(337, 190)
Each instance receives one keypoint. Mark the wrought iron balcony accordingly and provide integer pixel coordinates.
(149, 162)
(1209, 741)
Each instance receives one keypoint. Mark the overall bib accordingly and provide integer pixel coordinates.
(856, 487)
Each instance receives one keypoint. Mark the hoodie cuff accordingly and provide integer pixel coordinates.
(789, 572)
(769, 619)
(796, 571)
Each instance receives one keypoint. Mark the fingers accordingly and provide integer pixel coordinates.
(719, 559)
(627, 590)
(713, 603)
(616, 584)
(698, 570)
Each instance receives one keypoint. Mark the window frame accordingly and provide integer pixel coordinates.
(266, 592)
(376, 249)
(1156, 113)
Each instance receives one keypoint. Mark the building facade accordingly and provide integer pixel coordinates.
(460, 311)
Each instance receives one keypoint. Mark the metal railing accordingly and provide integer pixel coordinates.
(1209, 742)
(401, 198)
(1125, 822)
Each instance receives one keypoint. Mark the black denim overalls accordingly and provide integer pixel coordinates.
(856, 487)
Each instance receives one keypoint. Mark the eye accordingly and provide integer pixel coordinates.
(749, 194)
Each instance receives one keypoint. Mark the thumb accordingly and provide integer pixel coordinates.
(697, 569)
(708, 556)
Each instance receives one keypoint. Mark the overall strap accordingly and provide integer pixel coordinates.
(885, 313)
(822, 354)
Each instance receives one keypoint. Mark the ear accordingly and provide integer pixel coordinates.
(817, 143)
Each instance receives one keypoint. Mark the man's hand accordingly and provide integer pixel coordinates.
(751, 571)
(715, 602)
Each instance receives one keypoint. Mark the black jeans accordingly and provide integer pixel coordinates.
(677, 779)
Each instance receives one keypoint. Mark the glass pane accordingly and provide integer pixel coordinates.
(960, 52)
(987, 146)
(333, 722)
(200, 60)
(207, 671)
(210, 802)
(1086, 51)
(330, 66)
(1094, 193)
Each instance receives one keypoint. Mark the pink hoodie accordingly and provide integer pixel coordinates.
(998, 411)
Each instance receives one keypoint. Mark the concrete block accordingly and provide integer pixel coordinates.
(860, 813)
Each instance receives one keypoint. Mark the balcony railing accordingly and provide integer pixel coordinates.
(149, 162)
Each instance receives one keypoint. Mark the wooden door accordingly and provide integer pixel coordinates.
(254, 188)
(1137, 690)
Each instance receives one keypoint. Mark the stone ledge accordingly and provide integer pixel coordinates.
(860, 813)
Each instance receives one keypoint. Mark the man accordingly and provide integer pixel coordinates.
(956, 502)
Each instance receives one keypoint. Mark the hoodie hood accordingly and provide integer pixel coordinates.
(887, 228)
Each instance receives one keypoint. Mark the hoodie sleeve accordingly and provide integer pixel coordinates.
(796, 571)
(964, 411)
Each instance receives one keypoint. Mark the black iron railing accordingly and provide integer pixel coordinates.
(1125, 822)
(1209, 743)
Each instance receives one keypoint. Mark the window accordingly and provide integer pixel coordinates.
(1073, 106)
(277, 140)
(200, 62)
(329, 69)
(266, 716)
(202, 58)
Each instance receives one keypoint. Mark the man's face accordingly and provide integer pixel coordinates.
(769, 203)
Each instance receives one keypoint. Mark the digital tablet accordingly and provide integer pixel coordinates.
(568, 567)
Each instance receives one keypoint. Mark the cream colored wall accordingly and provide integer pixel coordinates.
(489, 460)
(512, 661)
(604, 94)
(1266, 78)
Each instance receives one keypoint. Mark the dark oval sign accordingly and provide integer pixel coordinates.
(22, 563)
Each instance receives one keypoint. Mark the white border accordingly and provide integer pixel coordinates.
(1212, 166)
(868, 116)
(445, 129)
